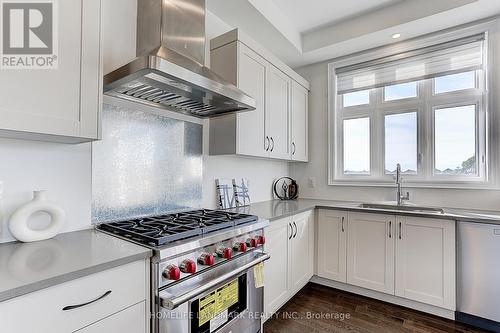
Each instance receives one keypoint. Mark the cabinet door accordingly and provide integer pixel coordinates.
(301, 271)
(63, 102)
(370, 251)
(276, 269)
(277, 113)
(299, 122)
(332, 245)
(252, 79)
(130, 320)
(119, 29)
(425, 261)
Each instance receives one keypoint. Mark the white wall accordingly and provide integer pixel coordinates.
(317, 167)
(259, 172)
(63, 170)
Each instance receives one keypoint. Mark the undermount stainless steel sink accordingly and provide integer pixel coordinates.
(403, 208)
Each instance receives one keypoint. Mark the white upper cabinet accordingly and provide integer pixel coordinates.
(299, 122)
(252, 78)
(119, 31)
(370, 251)
(425, 261)
(60, 104)
(279, 114)
(276, 123)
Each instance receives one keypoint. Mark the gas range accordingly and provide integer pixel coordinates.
(196, 253)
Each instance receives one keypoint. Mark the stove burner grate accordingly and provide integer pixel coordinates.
(163, 229)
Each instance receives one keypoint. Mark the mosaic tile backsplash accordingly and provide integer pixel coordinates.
(144, 165)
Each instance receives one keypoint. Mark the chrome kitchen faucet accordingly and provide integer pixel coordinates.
(399, 196)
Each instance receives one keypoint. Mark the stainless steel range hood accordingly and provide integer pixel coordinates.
(168, 71)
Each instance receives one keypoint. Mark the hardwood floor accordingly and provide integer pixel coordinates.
(365, 315)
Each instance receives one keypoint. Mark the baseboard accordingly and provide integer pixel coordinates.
(437, 311)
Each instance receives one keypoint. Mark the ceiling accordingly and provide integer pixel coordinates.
(311, 14)
(301, 32)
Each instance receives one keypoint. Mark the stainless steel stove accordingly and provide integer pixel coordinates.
(205, 269)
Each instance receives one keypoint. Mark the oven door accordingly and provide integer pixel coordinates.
(222, 300)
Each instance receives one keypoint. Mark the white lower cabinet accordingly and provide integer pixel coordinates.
(370, 252)
(130, 320)
(290, 242)
(412, 258)
(425, 261)
(332, 245)
(302, 250)
(276, 273)
(76, 304)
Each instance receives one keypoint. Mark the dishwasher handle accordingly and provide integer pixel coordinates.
(173, 302)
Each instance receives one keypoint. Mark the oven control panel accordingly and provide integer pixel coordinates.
(189, 264)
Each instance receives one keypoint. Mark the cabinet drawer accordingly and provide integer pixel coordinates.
(42, 311)
(130, 320)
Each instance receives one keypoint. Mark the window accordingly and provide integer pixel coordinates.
(400, 91)
(455, 141)
(424, 112)
(356, 98)
(401, 142)
(455, 82)
(357, 146)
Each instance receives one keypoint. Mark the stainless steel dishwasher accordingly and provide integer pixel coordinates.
(478, 285)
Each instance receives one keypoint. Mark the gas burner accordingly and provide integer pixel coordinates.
(163, 229)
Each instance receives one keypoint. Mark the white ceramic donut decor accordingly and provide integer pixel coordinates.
(18, 223)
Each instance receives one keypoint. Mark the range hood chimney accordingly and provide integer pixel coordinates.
(169, 70)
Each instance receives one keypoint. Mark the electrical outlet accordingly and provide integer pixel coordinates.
(312, 182)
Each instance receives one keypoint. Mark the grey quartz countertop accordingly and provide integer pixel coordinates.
(27, 267)
(276, 209)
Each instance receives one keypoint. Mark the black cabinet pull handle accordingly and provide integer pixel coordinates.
(71, 307)
(272, 140)
(400, 232)
(390, 229)
(291, 233)
(295, 229)
(342, 224)
(268, 143)
(294, 148)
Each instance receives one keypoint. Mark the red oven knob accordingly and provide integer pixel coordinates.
(252, 242)
(206, 259)
(188, 266)
(226, 253)
(172, 272)
(261, 240)
(240, 247)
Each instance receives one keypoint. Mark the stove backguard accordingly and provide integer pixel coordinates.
(145, 164)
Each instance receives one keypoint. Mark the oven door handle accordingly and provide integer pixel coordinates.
(173, 302)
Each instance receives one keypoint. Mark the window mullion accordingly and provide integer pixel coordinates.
(377, 136)
(426, 132)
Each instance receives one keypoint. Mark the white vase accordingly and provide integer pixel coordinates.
(18, 223)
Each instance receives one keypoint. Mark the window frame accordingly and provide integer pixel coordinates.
(427, 101)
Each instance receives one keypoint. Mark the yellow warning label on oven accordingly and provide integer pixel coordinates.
(218, 301)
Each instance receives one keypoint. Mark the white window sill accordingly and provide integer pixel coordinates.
(408, 184)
